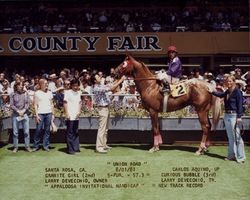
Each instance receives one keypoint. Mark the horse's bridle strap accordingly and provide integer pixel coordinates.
(141, 79)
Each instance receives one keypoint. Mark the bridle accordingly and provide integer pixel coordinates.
(149, 78)
(128, 64)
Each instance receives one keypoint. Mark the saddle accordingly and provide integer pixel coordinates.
(175, 90)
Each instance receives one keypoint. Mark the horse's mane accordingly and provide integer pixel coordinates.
(145, 67)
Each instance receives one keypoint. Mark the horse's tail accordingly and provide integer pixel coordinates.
(216, 111)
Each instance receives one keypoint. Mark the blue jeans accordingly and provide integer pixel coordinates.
(25, 125)
(235, 141)
(45, 122)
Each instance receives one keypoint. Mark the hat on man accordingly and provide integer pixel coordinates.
(210, 74)
(237, 70)
(84, 71)
(52, 76)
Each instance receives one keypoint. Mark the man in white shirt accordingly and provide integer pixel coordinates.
(72, 105)
(44, 109)
(2, 77)
(51, 83)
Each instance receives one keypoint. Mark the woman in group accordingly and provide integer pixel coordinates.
(44, 109)
(233, 101)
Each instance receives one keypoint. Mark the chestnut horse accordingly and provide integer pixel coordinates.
(152, 98)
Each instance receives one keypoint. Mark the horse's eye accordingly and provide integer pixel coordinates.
(125, 64)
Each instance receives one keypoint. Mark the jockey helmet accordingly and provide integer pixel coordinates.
(172, 48)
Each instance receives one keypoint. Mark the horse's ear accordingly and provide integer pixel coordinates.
(129, 57)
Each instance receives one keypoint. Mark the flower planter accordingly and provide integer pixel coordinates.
(131, 123)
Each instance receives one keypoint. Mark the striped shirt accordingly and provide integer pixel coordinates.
(19, 101)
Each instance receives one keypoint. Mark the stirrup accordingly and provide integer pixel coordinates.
(165, 90)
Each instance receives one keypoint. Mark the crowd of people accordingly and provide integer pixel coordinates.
(59, 83)
(79, 18)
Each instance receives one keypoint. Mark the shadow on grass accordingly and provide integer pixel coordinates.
(146, 147)
(2, 144)
(64, 150)
(213, 155)
(22, 148)
(90, 147)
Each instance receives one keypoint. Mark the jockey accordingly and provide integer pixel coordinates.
(174, 70)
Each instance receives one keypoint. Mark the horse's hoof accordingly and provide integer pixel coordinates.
(206, 150)
(198, 153)
(154, 149)
(202, 150)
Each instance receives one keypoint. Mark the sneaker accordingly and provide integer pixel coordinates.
(107, 148)
(229, 159)
(101, 151)
(46, 149)
(28, 149)
(15, 150)
(35, 149)
(71, 152)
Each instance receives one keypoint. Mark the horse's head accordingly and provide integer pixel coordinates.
(127, 67)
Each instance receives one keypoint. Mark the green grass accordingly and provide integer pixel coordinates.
(22, 175)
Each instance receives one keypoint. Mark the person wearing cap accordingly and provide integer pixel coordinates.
(174, 71)
(131, 101)
(233, 103)
(210, 79)
(102, 102)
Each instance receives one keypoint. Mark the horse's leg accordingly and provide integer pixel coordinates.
(206, 126)
(208, 141)
(156, 130)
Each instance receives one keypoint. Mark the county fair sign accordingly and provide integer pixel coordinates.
(153, 44)
(77, 44)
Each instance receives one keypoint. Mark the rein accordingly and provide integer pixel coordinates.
(142, 79)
